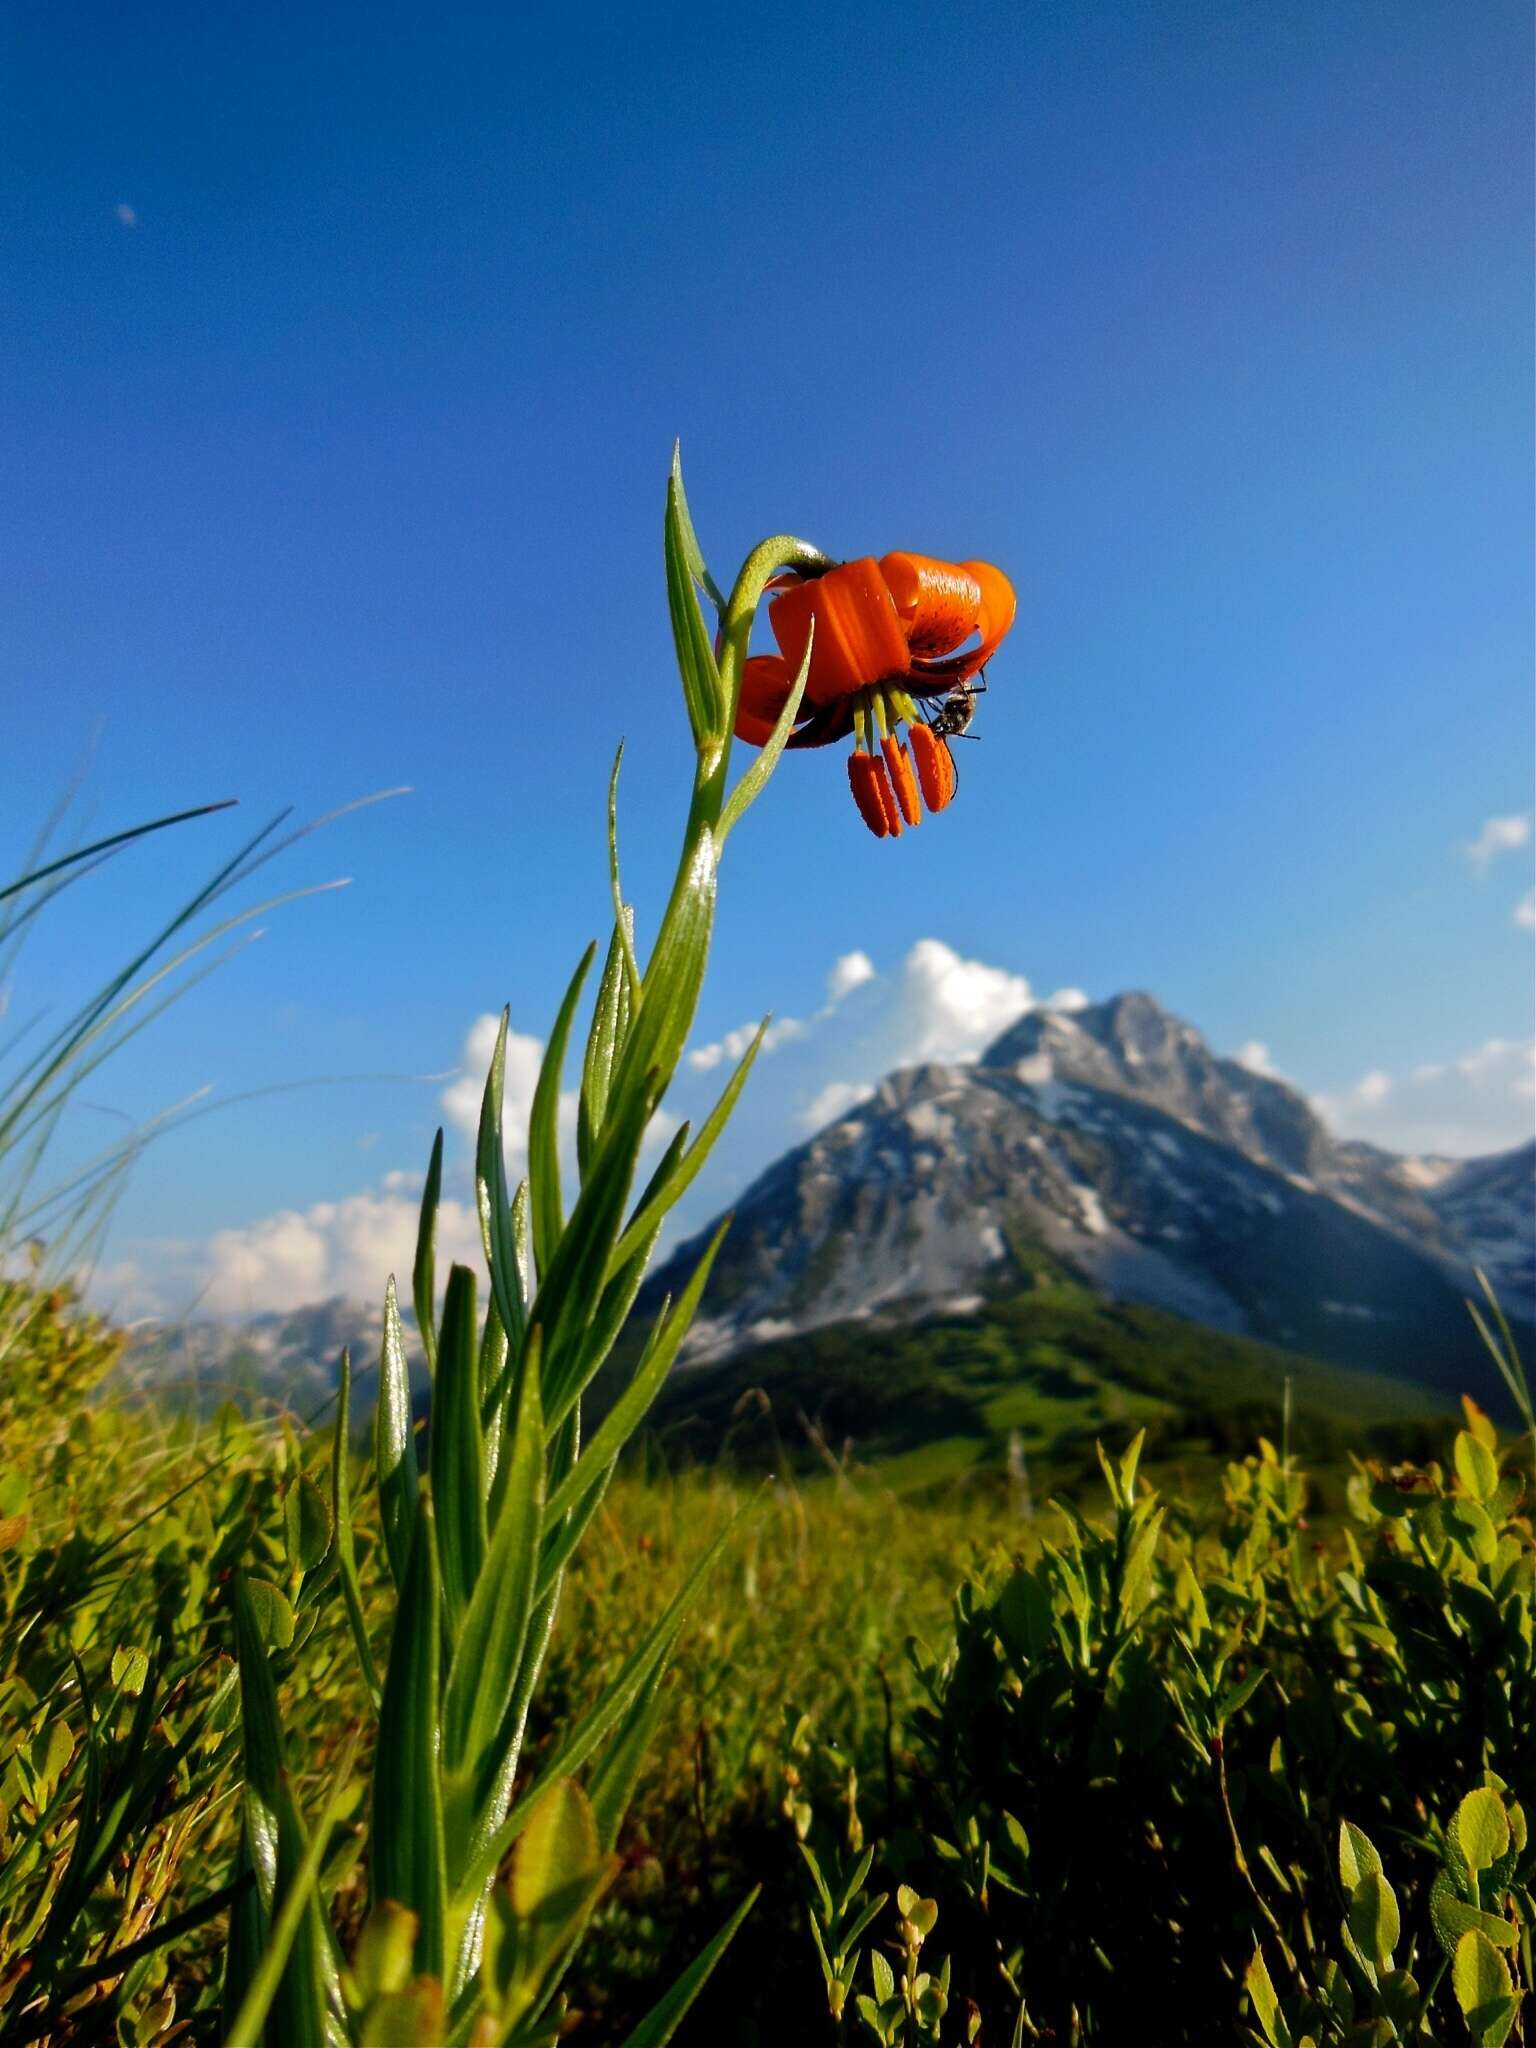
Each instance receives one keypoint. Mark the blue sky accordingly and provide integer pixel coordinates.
(344, 351)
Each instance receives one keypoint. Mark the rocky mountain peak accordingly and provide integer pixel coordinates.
(1130, 1045)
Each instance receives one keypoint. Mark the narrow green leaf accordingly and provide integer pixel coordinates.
(505, 1258)
(662, 2021)
(341, 1515)
(547, 1208)
(456, 1447)
(261, 1741)
(562, 1540)
(811, 1864)
(395, 1443)
(750, 785)
(581, 1363)
(1237, 1696)
(669, 1186)
(490, 1649)
(702, 692)
(246, 1939)
(424, 1271)
(493, 1380)
(605, 1041)
(288, 1980)
(573, 1286)
(693, 554)
(407, 1862)
(296, 2014)
(1128, 1466)
(580, 1740)
(627, 1413)
(673, 977)
(623, 916)
(611, 1781)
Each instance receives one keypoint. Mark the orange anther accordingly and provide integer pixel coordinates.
(903, 781)
(872, 793)
(935, 767)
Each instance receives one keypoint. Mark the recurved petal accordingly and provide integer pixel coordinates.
(938, 603)
(859, 639)
(766, 682)
(999, 605)
(996, 606)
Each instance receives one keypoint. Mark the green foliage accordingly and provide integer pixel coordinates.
(53, 1353)
(1139, 1744)
(1029, 1387)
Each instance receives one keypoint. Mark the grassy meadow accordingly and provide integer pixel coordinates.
(935, 1674)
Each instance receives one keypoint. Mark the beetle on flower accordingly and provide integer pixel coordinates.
(887, 634)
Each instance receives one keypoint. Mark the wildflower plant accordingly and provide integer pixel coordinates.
(478, 1536)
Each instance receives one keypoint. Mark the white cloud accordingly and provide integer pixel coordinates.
(833, 1101)
(1525, 911)
(1254, 1055)
(291, 1259)
(735, 1043)
(955, 1007)
(1499, 835)
(1068, 999)
(1478, 1103)
(849, 971)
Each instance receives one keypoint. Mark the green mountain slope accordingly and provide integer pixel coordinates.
(1052, 1369)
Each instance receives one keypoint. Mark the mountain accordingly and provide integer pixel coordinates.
(291, 1358)
(1095, 1185)
(1112, 1144)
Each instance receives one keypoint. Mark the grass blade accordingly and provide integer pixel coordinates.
(505, 1247)
(286, 1983)
(605, 1041)
(702, 691)
(341, 1517)
(661, 2022)
(456, 1448)
(424, 1270)
(674, 975)
(548, 1211)
(395, 1443)
(668, 1191)
(490, 1649)
(406, 1850)
(567, 1756)
(624, 1418)
(113, 840)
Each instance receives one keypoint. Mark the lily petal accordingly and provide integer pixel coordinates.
(938, 603)
(859, 639)
(995, 612)
(766, 682)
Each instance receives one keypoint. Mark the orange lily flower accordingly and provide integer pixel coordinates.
(887, 634)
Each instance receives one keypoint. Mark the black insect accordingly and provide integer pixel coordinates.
(952, 716)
